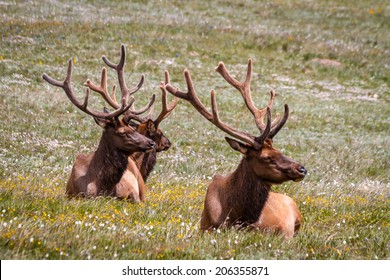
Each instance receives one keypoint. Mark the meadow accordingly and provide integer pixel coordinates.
(328, 60)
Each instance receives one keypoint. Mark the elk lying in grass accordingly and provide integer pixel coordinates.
(150, 128)
(244, 197)
(110, 170)
(144, 125)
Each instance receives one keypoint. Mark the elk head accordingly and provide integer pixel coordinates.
(116, 132)
(149, 129)
(149, 126)
(266, 162)
(144, 125)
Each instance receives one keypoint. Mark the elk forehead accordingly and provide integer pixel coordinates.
(267, 149)
(267, 145)
(265, 153)
(270, 153)
(125, 129)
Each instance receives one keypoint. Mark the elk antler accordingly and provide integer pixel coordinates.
(267, 130)
(102, 88)
(119, 69)
(213, 117)
(166, 109)
(245, 91)
(67, 87)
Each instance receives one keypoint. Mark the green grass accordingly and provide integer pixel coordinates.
(338, 128)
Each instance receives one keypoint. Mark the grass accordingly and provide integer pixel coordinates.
(338, 128)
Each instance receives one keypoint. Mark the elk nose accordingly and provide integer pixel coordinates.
(301, 169)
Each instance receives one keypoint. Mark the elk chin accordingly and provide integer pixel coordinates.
(275, 182)
(133, 149)
(163, 149)
(281, 177)
(298, 179)
(147, 151)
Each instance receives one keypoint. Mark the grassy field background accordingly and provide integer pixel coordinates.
(339, 126)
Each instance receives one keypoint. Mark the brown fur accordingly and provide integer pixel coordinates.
(243, 197)
(111, 170)
(146, 161)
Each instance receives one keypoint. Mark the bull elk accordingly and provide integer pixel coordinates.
(110, 170)
(150, 128)
(243, 197)
(144, 125)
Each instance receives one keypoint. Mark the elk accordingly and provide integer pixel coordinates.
(144, 125)
(150, 128)
(110, 170)
(243, 198)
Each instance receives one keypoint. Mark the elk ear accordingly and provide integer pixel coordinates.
(104, 123)
(238, 146)
(101, 122)
(150, 126)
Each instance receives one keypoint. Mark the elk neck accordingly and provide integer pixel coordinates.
(145, 162)
(110, 163)
(249, 194)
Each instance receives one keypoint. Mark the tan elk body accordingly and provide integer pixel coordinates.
(110, 170)
(244, 197)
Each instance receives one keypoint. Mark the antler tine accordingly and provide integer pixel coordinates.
(190, 96)
(135, 114)
(146, 108)
(125, 91)
(67, 87)
(119, 68)
(167, 77)
(213, 117)
(102, 89)
(245, 91)
(243, 136)
(265, 134)
(166, 109)
(276, 120)
(281, 123)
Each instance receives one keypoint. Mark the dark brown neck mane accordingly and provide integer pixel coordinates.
(248, 196)
(109, 164)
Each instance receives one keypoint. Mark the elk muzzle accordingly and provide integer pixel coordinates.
(164, 144)
(300, 173)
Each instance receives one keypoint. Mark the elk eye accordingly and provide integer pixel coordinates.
(267, 158)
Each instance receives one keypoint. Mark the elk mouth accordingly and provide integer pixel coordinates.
(148, 149)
